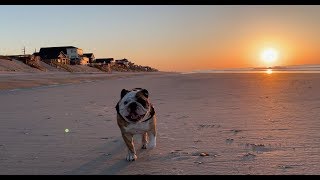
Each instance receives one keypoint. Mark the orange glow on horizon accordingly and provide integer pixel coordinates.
(235, 51)
(269, 71)
(247, 52)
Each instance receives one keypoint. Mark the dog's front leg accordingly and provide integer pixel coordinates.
(128, 139)
(144, 140)
(152, 138)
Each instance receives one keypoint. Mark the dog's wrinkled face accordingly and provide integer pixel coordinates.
(134, 105)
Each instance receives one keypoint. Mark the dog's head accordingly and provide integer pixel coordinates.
(134, 105)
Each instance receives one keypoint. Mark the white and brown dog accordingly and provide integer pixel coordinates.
(136, 115)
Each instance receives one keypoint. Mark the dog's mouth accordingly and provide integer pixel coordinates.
(134, 117)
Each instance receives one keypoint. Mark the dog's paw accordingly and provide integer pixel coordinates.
(131, 157)
(144, 146)
(152, 144)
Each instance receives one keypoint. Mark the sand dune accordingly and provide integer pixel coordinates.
(245, 123)
(16, 66)
(51, 68)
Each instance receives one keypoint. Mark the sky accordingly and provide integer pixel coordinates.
(169, 38)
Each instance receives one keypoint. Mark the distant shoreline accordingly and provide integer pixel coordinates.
(252, 72)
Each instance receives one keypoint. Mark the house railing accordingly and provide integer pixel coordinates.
(63, 66)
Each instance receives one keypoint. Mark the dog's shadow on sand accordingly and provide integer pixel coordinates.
(109, 163)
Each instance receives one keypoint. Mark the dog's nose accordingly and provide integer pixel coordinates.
(133, 106)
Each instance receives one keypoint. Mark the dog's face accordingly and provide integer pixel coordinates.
(134, 105)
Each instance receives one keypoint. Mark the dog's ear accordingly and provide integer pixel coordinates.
(145, 93)
(124, 92)
(152, 111)
(117, 107)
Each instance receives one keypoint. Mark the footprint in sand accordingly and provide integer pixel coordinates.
(203, 126)
(248, 156)
(236, 131)
(258, 147)
(181, 117)
(229, 141)
(285, 167)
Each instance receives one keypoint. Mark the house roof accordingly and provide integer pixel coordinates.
(84, 56)
(64, 47)
(51, 54)
(89, 55)
(101, 60)
(122, 60)
(105, 59)
(55, 49)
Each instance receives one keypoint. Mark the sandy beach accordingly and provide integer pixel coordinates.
(246, 123)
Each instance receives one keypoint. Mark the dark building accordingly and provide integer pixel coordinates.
(104, 60)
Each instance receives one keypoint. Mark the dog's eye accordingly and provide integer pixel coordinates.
(126, 102)
(142, 102)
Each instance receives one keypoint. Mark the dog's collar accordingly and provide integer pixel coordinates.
(151, 116)
(152, 112)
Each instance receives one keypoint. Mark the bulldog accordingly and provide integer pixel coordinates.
(136, 115)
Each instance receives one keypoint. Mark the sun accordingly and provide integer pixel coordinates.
(269, 55)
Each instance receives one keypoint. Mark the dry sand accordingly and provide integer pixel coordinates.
(246, 123)
(16, 66)
(51, 68)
